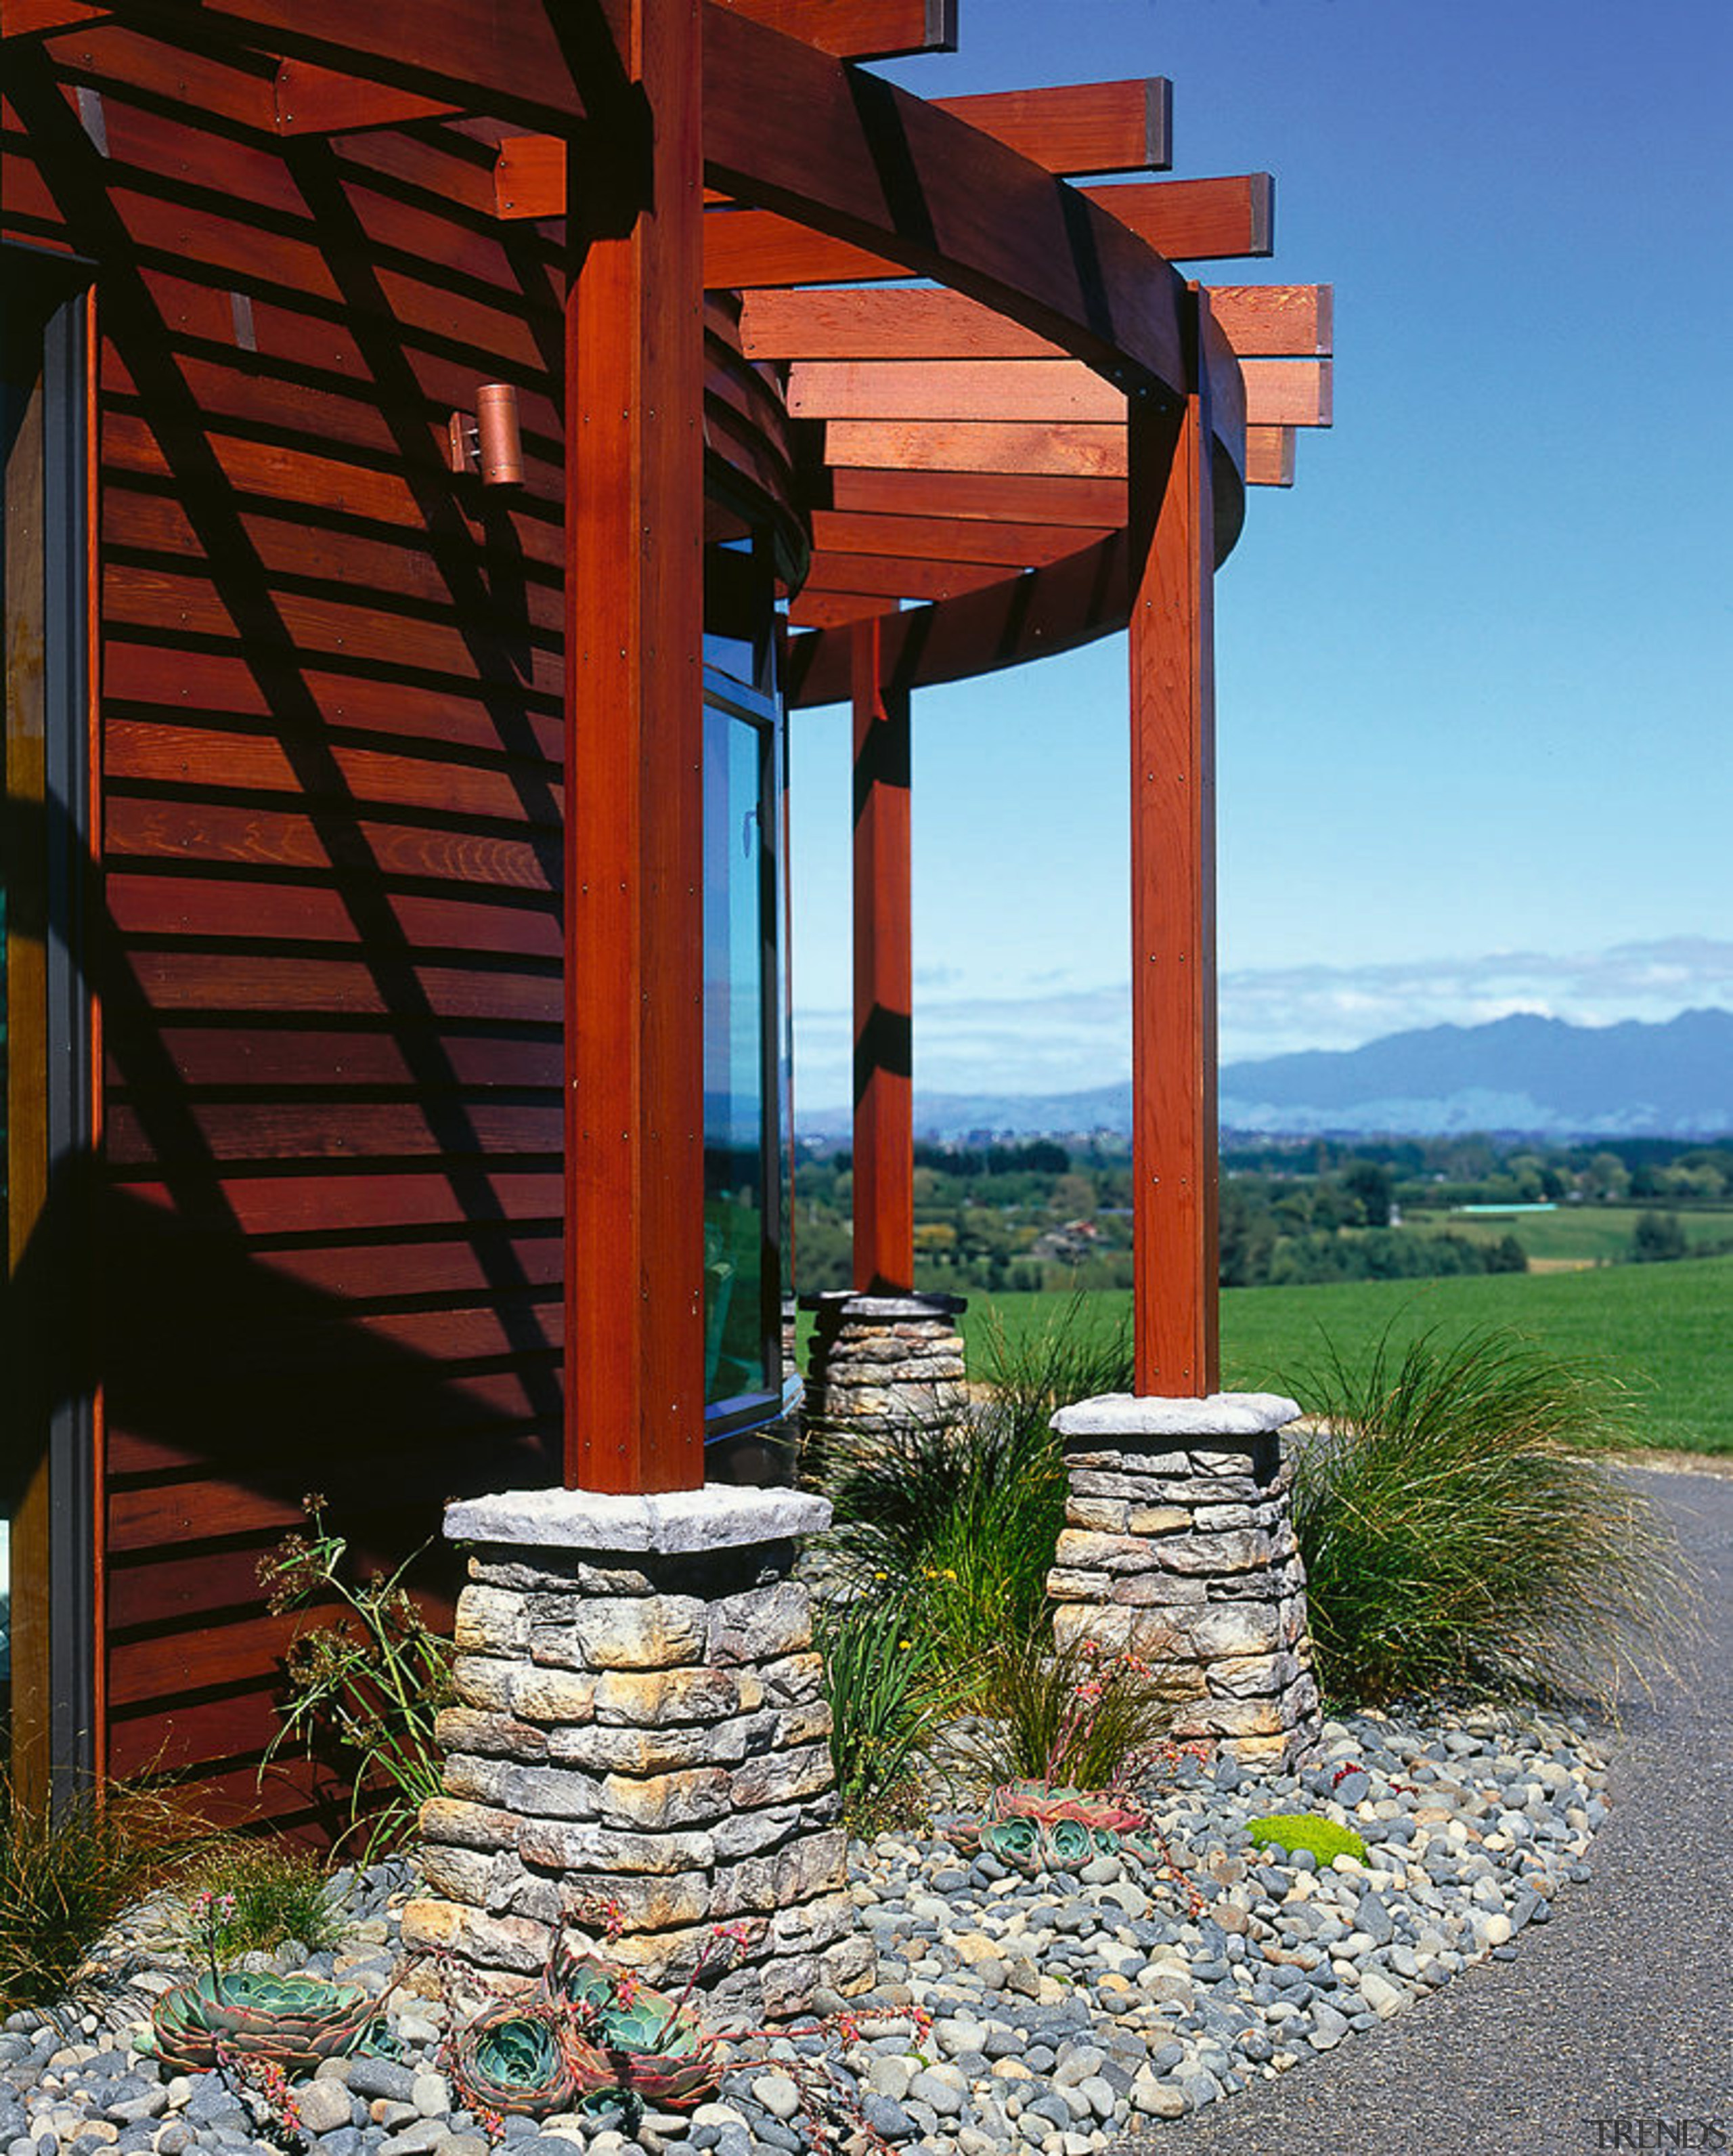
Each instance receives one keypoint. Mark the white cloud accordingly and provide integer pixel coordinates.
(1075, 1038)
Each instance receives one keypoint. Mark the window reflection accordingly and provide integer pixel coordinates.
(741, 1016)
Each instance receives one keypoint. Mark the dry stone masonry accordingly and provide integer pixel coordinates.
(879, 1360)
(641, 1723)
(1179, 1545)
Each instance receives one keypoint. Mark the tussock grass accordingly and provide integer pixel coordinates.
(278, 1892)
(966, 1509)
(888, 1691)
(65, 1877)
(1076, 1715)
(1457, 1527)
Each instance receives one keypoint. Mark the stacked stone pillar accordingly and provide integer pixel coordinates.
(642, 1724)
(1179, 1545)
(876, 1361)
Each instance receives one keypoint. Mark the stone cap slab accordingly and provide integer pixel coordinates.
(851, 1305)
(721, 1516)
(1220, 1415)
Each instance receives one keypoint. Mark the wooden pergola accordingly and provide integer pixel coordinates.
(991, 419)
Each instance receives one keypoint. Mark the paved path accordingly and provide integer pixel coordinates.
(1620, 2010)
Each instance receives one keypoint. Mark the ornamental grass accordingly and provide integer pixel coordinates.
(965, 1509)
(1460, 1526)
(67, 1872)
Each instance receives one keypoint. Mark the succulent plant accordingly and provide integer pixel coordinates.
(1038, 1829)
(624, 2035)
(295, 2022)
(517, 2056)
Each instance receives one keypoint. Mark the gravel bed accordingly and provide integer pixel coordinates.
(1053, 2014)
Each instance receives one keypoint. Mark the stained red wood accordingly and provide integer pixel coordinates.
(23, 19)
(1044, 253)
(634, 861)
(529, 176)
(884, 1204)
(893, 578)
(1173, 1035)
(1269, 456)
(860, 29)
(909, 323)
(181, 980)
(1045, 391)
(316, 101)
(1078, 127)
(1282, 322)
(1010, 497)
(1071, 128)
(511, 62)
(321, 1203)
(1287, 393)
(1082, 449)
(121, 58)
(949, 538)
(1184, 220)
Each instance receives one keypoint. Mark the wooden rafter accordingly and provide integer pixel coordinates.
(1184, 220)
(972, 446)
(1011, 497)
(1043, 390)
(1276, 321)
(867, 322)
(949, 538)
(1042, 257)
(860, 29)
(1287, 393)
(1078, 127)
(1269, 456)
(529, 176)
(31, 19)
(318, 100)
(895, 578)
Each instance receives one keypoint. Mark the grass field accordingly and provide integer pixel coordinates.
(1583, 1234)
(1665, 1331)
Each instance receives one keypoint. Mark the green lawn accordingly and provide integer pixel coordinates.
(1666, 1331)
(1580, 1232)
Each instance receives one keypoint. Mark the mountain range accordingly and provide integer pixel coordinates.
(1524, 1075)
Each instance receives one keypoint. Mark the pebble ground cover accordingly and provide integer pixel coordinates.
(1057, 2013)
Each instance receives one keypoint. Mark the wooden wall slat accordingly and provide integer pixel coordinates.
(181, 980)
(267, 911)
(348, 1130)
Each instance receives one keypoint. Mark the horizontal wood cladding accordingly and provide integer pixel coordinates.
(331, 755)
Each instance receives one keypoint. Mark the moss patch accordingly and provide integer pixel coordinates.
(1292, 1830)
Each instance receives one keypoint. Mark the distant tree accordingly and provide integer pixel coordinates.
(1608, 1178)
(1657, 1239)
(1369, 1183)
(1507, 1255)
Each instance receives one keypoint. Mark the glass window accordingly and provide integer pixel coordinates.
(742, 1016)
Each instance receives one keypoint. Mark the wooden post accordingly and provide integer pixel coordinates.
(634, 905)
(883, 979)
(1173, 955)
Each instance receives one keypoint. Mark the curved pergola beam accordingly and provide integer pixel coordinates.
(873, 165)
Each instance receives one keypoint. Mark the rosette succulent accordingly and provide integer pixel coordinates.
(624, 2035)
(293, 2022)
(516, 2056)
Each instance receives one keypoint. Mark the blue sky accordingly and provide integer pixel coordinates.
(1474, 671)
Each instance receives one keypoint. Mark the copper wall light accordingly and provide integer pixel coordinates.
(488, 440)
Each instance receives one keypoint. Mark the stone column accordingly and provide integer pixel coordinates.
(641, 1721)
(1179, 1544)
(882, 1359)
